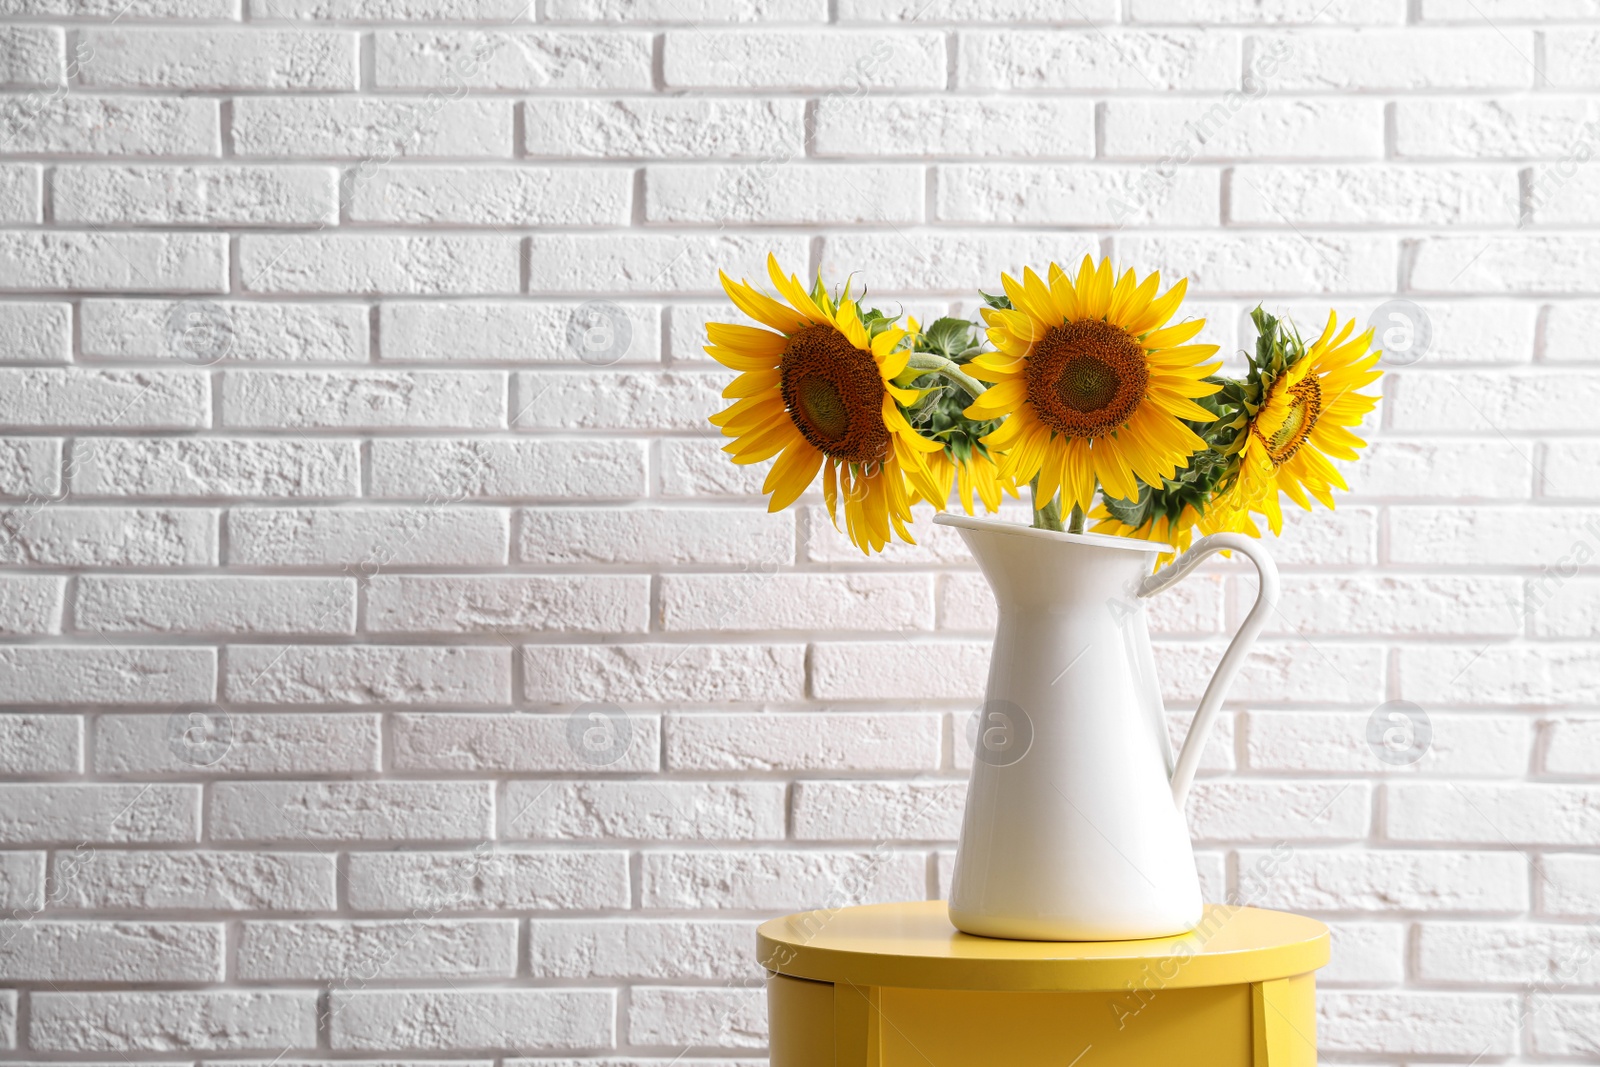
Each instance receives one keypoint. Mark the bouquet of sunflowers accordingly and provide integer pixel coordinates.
(1091, 395)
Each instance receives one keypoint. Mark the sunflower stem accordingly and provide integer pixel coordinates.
(929, 361)
(1075, 524)
(1047, 517)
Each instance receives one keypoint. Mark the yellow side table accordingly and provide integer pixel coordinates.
(895, 985)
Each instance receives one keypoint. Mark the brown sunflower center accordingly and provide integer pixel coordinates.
(1086, 378)
(834, 394)
(1305, 405)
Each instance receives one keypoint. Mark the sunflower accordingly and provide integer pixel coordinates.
(1179, 532)
(817, 393)
(1301, 422)
(1096, 389)
(977, 473)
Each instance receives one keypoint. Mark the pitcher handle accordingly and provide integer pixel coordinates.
(1233, 659)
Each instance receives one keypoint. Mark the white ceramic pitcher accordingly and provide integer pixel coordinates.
(1074, 827)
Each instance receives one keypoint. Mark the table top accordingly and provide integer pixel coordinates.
(913, 945)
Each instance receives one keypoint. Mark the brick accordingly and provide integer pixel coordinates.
(139, 9)
(970, 11)
(49, 397)
(30, 604)
(377, 951)
(217, 58)
(488, 880)
(674, 949)
(1365, 954)
(1493, 813)
(206, 332)
(509, 1019)
(942, 262)
(1297, 673)
(351, 811)
(70, 813)
(144, 1021)
(643, 811)
(694, 468)
(367, 675)
(617, 400)
(240, 605)
(215, 467)
(1086, 196)
(1413, 469)
(107, 880)
(511, 470)
(1384, 880)
(1232, 810)
(951, 126)
(35, 260)
(1406, 1022)
(1314, 262)
(368, 400)
(36, 332)
(252, 196)
(1503, 127)
(61, 674)
(1381, 194)
(30, 467)
(878, 811)
(1569, 469)
(1494, 676)
(1323, 538)
(40, 951)
(520, 59)
(506, 605)
(786, 194)
(384, 11)
(802, 741)
(646, 673)
(655, 535)
(366, 540)
(1569, 609)
(1567, 332)
(876, 670)
(719, 1018)
(229, 743)
(372, 264)
(1569, 58)
(496, 196)
(81, 124)
(1240, 127)
(966, 604)
(22, 881)
(1397, 606)
(780, 881)
(41, 744)
(1096, 59)
(21, 193)
(1496, 401)
(599, 333)
(371, 129)
(32, 55)
(853, 61)
(1489, 536)
(698, 11)
(55, 535)
(796, 602)
(1494, 953)
(522, 743)
(1564, 1025)
(1569, 885)
(1297, 742)
(1231, 12)
(1367, 60)
(665, 128)
(1503, 264)
(651, 263)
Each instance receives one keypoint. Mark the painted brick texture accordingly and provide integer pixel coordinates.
(394, 672)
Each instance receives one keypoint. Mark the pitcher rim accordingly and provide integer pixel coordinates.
(1092, 540)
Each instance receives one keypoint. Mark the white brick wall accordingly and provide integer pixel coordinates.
(393, 671)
